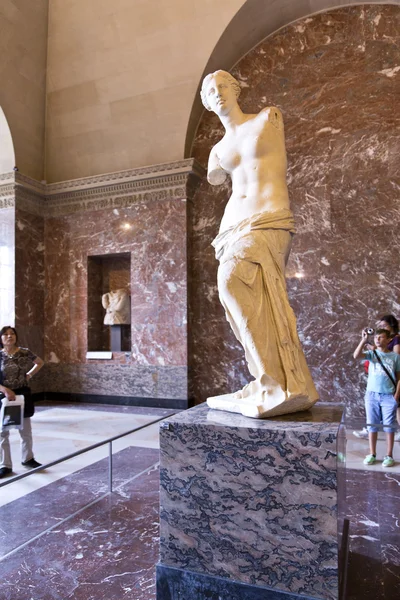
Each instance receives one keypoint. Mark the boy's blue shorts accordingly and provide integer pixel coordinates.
(380, 408)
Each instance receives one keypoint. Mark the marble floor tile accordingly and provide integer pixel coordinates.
(49, 505)
(111, 408)
(357, 449)
(373, 507)
(107, 550)
(366, 579)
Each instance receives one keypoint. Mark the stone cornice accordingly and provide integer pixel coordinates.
(31, 184)
(110, 190)
(29, 200)
(164, 174)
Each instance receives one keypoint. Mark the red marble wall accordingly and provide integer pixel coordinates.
(156, 242)
(336, 78)
(29, 283)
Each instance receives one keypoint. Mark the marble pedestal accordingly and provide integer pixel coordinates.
(115, 338)
(251, 503)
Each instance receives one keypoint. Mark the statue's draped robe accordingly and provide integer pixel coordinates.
(252, 290)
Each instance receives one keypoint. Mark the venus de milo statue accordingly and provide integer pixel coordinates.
(253, 247)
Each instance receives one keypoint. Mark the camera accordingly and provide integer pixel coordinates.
(369, 330)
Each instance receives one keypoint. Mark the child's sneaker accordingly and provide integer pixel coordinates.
(370, 459)
(388, 461)
(363, 434)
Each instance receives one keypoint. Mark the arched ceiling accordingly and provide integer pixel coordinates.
(256, 20)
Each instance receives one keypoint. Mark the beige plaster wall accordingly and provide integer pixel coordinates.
(23, 50)
(122, 76)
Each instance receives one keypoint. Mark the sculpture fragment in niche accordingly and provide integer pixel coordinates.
(253, 247)
(118, 307)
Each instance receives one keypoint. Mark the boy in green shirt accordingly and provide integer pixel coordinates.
(383, 392)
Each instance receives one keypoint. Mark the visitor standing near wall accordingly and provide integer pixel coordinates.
(391, 324)
(383, 392)
(18, 366)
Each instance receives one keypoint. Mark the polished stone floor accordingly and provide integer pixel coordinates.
(373, 509)
(373, 501)
(62, 429)
(63, 536)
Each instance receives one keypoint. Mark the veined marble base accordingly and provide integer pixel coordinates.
(177, 584)
(253, 501)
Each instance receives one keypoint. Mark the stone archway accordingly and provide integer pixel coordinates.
(7, 224)
(7, 154)
(255, 21)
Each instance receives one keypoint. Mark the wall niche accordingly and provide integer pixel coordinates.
(107, 273)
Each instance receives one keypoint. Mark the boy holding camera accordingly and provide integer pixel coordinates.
(383, 392)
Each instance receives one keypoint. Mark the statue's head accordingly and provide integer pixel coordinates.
(212, 83)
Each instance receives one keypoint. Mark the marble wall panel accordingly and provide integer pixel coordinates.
(120, 377)
(153, 235)
(29, 283)
(335, 77)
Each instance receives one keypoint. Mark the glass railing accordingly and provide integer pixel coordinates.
(108, 441)
(73, 492)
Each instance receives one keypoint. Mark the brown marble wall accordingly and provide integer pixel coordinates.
(134, 225)
(153, 234)
(22, 263)
(336, 78)
(29, 274)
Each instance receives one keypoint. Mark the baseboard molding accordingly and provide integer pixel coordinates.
(175, 584)
(116, 400)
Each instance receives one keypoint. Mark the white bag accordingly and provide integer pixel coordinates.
(12, 413)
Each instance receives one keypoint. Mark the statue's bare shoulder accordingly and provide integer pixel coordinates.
(273, 115)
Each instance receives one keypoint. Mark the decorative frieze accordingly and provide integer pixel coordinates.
(7, 198)
(30, 201)
(7, 178)
(168, 181)
(164, 173)
(7, 190)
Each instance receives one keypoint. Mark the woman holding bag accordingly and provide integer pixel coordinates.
(17, 366)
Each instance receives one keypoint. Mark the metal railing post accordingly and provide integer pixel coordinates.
(110, 468)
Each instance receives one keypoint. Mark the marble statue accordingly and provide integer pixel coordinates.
(118, 308)
(253, 247)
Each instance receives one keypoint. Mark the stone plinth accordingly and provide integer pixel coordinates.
(252, 501)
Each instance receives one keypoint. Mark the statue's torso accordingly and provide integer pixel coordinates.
(254, 156)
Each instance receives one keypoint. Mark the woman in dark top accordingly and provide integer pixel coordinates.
(17, 366)
(390, 323)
